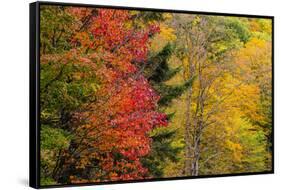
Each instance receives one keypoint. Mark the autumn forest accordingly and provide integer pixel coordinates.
(133, 95)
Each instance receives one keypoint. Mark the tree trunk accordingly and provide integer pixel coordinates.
(188, 151)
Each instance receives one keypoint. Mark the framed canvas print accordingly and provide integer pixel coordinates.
(121, 94)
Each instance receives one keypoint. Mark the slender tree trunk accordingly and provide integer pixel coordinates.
(188, 126)
(188, 151)
(198, 126)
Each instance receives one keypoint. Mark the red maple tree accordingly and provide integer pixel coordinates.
(113, 130)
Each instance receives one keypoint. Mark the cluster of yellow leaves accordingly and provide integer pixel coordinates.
(261, 25)
(236, 149)
(166, 35)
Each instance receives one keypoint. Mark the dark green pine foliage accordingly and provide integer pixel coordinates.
(158, 72)
(161, 151)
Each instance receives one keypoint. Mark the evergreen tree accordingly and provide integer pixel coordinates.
(158, 72)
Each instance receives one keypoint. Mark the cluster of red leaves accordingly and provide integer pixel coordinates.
(114, 129)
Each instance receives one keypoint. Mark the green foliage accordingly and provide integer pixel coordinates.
(150, 16)
(65, 90)
(161, 70)
(170, 116)
(53, 139)
(158, 72)
(168, 93)
(239, 28)
(56, 26)
(47, 181)
(162, 151)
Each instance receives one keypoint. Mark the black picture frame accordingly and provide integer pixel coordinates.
(34, 93)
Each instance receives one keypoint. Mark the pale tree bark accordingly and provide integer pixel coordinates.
(195, 45)
(198, 34)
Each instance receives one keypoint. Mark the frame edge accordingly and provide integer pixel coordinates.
(33, 99)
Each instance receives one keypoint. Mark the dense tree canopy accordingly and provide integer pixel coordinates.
(127, 95)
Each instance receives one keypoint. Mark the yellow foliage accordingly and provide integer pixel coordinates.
(261, 25)
(165, 36)
(167, 33)
(196, 21)
(236, 150)
(167, 16)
